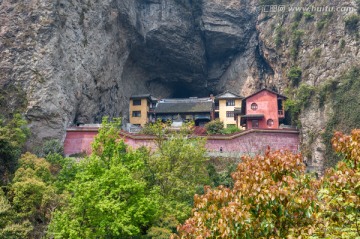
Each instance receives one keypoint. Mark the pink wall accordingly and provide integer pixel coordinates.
(78, 141)
(256, 141)
(250, 141)
(267, 105)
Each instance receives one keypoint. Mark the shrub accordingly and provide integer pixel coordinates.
(214, 127)
(230, 130)
(352, 23)
(298, 16)
(308, 16)
(294, 75)
(317, 52)
(297, 34)
(324, 20)
(342, 44)
(280, 32)
(52, 146)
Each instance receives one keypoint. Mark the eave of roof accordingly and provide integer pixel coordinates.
(253, 116)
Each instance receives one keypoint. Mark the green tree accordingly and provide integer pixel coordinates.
(13, 135)
(110, 198)
(11, 226)
(178, 168)
(30, 199)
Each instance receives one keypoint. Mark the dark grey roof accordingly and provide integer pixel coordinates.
(228, 95)
(191, 105)
(141, 96)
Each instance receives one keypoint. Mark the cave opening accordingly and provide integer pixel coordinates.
(186, 90)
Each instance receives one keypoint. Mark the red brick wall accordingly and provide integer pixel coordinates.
(251, 141)
(267, 105)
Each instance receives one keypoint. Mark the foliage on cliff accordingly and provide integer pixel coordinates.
(273, 198)
(13, 135)
(344, 98)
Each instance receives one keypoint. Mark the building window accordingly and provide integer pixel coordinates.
(255, 124)
(136, 102)
(136, 114)
(230, 114)
(254, 106)
(230, 103)
(270, 122)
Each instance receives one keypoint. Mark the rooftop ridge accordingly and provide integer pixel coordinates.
(185, 100)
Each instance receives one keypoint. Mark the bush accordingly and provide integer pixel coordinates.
(230, 130)
(52, 146)
(324, 20)
(297, 34)
(280, 32)
(308, 16)
(214, 127)
(342, 44)
(298, 16)
(294, 75)
(317, 52)
(352, 23)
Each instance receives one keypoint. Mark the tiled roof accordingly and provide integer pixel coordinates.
(142, 96)
(191, 105)
(228, 95)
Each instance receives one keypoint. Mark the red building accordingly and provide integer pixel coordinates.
(263, 109)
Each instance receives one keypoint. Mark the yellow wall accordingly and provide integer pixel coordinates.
(222, 111)
(144, 112)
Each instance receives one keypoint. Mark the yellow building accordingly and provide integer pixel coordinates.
(140, 109)
(226, 104)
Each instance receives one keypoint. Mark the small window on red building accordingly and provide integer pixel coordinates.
(254, 106)
(270, 122)
(255, 124)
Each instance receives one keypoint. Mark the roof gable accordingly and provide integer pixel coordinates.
(273, 92)
(228, 95)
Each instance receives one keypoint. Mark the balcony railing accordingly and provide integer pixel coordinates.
(216, 107)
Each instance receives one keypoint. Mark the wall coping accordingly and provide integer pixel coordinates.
(209, 137)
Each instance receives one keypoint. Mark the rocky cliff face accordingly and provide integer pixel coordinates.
(71, 61)
(321, 43)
